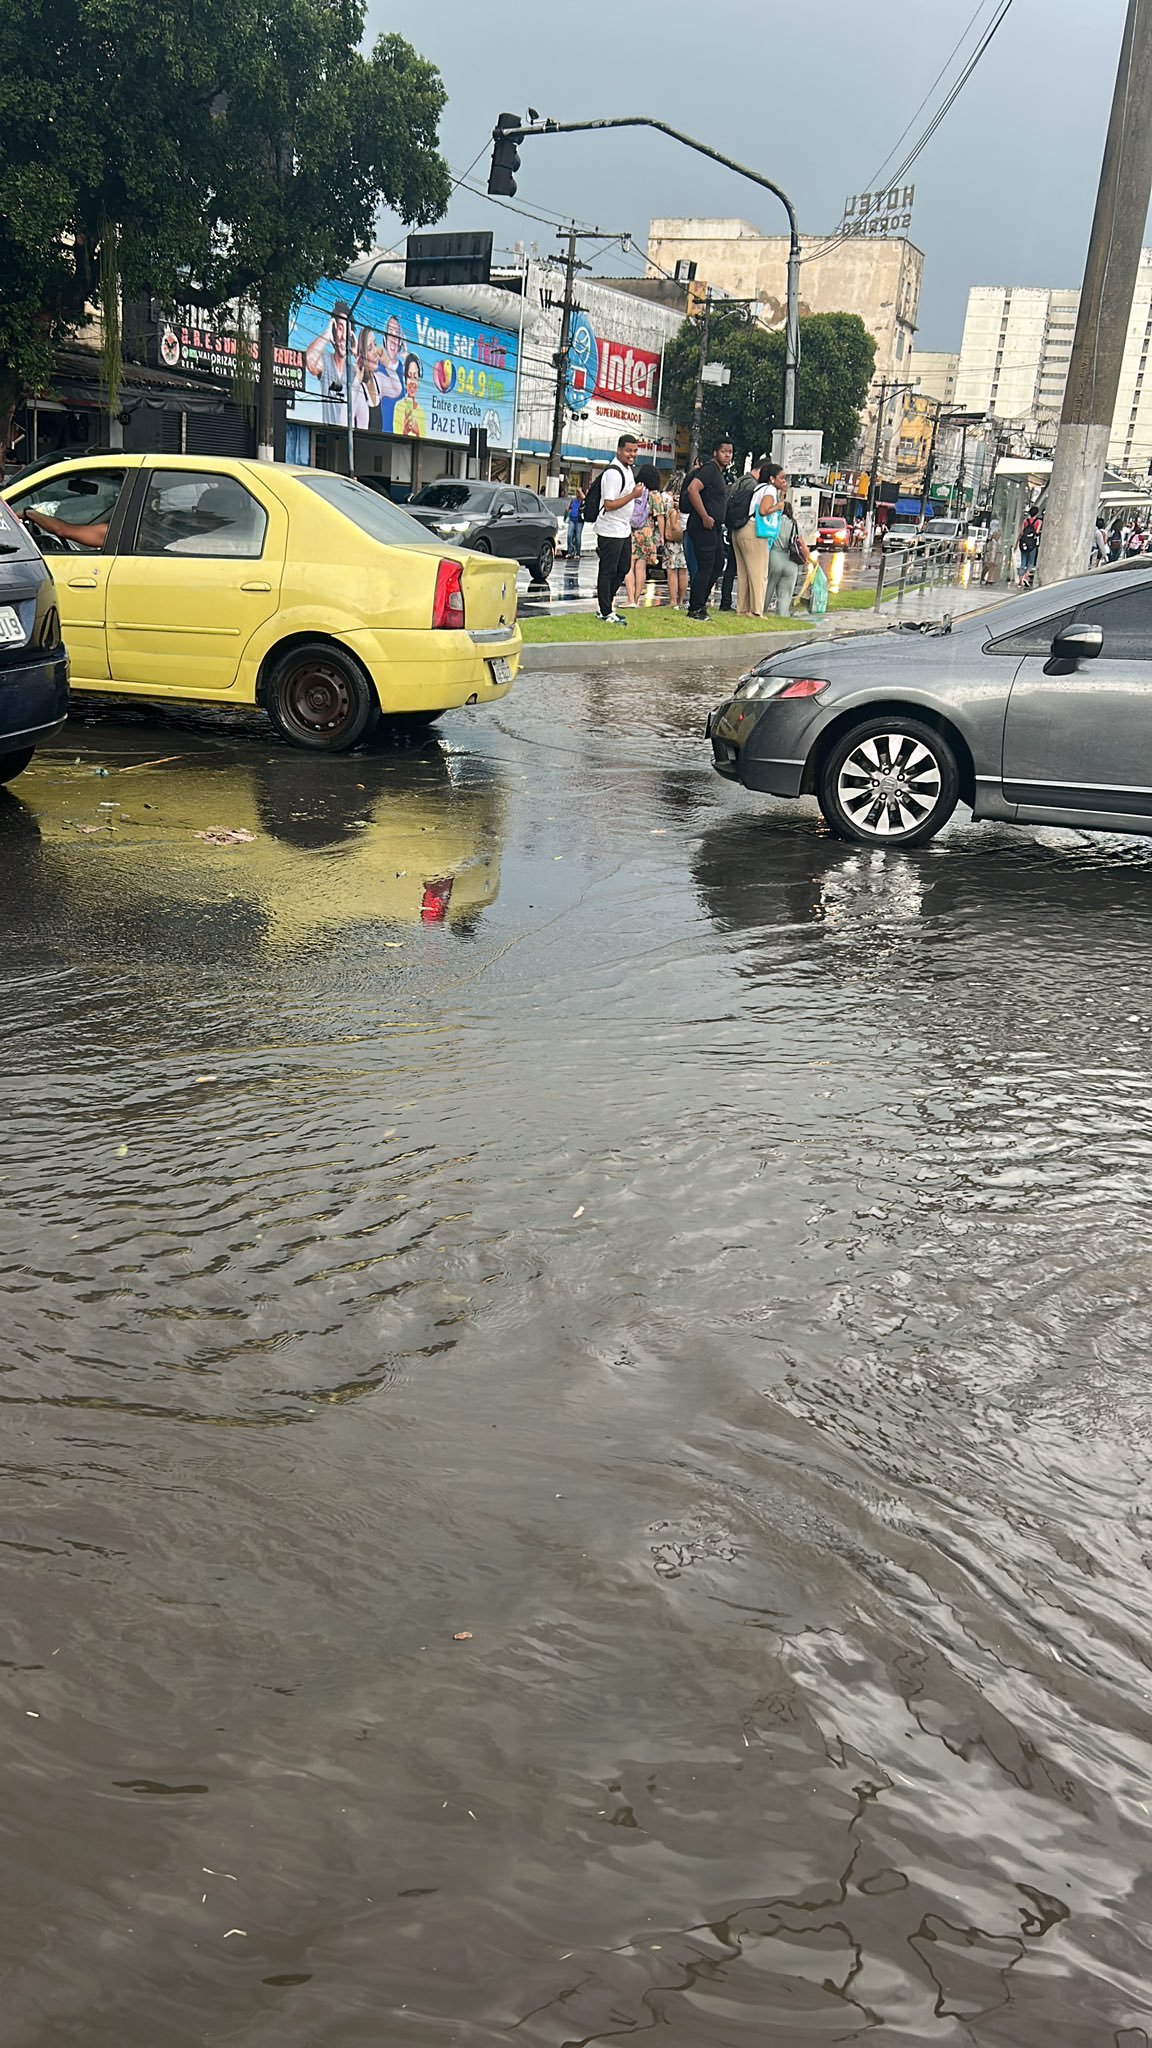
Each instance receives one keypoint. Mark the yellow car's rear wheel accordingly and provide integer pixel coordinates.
(318, 697)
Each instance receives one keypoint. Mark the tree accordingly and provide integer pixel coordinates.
(233, 147)
(313, 136)
(105, 138)
(837, 357)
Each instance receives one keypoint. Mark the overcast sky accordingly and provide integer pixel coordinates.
(814, 96)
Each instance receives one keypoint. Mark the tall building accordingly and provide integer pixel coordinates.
(1014, 363)
(934, 372)
(877, 277)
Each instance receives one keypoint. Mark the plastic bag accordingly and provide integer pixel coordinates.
(819, 599)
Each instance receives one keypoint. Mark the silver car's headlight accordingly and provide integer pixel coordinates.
(752, 687)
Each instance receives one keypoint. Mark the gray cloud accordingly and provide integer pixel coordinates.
(815, 97)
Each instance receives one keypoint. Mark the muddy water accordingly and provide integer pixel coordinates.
(530, 1193)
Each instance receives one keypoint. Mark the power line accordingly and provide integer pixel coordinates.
(942, 111)
(546, 220)
(877, 176)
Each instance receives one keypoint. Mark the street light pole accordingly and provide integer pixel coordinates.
(349, 429)
(792, 320)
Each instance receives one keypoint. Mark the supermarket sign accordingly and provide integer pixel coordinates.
(608, 375)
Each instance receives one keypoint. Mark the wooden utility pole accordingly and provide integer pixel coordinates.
(1105, 306)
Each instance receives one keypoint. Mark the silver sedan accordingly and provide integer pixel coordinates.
(1038, 711)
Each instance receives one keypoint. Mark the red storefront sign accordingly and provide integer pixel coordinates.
(628, 375)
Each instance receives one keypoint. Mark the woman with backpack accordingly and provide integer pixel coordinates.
(644, 535)
(786, 557)
(753, 502)
(670, 527)
(1028, 544)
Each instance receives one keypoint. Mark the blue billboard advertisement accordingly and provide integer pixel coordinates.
(416, 372)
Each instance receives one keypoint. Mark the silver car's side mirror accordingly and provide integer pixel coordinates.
(1071, 645)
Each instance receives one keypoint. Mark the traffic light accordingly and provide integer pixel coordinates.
(505, 156)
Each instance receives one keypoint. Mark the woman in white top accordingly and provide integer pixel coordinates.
(751, 548)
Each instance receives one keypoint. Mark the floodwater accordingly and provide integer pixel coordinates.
(576, 1396)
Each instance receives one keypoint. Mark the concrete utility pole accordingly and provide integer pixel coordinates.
(698, 400)
(555, 451)
(1105, 304)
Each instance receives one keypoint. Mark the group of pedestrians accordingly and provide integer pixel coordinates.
(1125, 538)
(709, 528)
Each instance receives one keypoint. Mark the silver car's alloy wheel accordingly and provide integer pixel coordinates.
(889, 784)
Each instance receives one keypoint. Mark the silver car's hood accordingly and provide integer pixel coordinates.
(862, 652)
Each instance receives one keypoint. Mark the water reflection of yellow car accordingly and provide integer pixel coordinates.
(379, 841)
(206, 579)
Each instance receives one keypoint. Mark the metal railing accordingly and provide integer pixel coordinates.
(926, 564)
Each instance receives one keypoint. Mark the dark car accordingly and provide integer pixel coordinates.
(495, 519)
(33, 664)
(1037, 711)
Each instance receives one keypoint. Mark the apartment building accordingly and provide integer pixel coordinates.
(1014, 359)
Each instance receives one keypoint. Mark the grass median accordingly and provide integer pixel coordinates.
(660, 622)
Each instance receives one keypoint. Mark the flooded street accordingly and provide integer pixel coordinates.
(576, 1387)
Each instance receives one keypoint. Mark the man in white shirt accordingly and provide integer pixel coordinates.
(618, 492)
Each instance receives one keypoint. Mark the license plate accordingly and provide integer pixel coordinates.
(11, 631)
(501, 670)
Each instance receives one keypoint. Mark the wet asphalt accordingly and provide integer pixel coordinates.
(576, 1381)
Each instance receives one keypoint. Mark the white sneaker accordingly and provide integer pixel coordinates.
(612, 619)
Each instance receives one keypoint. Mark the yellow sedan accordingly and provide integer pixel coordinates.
(204, 579)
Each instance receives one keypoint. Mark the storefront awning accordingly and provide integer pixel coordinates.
(76, 381)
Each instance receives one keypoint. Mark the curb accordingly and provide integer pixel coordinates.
(742, 648)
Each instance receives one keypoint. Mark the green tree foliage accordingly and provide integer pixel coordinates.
(837, 356)
(103, 160)
(194, 151)
(313, 135)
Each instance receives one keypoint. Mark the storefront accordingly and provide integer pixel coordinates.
(157, 411)
(424, 383)
(615, 378)
(179, 390)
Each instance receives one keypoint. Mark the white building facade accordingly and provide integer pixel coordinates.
(1014, 360)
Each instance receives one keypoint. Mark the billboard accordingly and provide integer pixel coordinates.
(416, 372)
(201, 342)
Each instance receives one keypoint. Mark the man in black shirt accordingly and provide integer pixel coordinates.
(707, 497)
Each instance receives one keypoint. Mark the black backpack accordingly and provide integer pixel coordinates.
(591, 512)
(740, 502)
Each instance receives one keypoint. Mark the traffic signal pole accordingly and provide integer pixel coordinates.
(509, 131)
(1110, 275)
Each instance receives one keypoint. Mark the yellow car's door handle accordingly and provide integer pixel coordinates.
(81, 583)
(255, 586)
